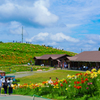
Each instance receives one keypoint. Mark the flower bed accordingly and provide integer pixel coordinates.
(74, 86)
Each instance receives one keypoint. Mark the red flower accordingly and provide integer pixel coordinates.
(55, 83)
(78, 87)
(61, 84)
(80, 73)
(65, 81)
(86, 79)
(81, 78)
(78, 82)
(75, 86)
(77, 74)
(75, 82)
(82, 81)
(86, 74)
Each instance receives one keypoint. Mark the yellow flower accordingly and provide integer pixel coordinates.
(88, 72)
(56, 84)
(98, 71)
(68, 76)
(66, 88)
(39, 89)
(73, 76)
(93, 70)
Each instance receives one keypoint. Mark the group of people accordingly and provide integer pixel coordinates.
(6, 84)
(51, 81)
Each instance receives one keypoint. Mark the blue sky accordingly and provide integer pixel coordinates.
(72, 25)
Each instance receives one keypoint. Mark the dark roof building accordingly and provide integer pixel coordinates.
(50, 59)
(86, 56)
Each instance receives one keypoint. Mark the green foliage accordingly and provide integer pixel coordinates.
(99, 49)
(1, 42)
(22, 53)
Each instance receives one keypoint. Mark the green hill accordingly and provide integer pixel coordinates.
(22, 53)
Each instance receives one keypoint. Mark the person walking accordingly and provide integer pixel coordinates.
(9, 85)
(0, 85)
(5, 84)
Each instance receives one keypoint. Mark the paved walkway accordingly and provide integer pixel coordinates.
(19, 97)
(27, 73)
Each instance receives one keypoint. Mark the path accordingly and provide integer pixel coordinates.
(19, 97)
(27, 73)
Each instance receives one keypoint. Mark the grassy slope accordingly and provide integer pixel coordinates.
(20, 53)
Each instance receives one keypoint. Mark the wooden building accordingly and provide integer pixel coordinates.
(51, 60)
(86, 58)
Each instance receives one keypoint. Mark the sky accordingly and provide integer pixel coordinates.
(72, 25)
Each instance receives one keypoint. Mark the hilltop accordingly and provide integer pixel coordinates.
(22, 53)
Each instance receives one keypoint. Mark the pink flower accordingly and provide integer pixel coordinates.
(89, 83)
(87, 88)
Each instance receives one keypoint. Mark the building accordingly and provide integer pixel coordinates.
(86, 58)
(51, 60)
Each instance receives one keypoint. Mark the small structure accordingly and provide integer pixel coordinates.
(56, 60)
(2, 73)
(86, 58)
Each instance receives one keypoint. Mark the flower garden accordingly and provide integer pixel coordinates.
(82, 85)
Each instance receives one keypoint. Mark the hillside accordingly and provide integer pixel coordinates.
(21, 53)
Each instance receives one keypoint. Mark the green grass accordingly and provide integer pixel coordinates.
(21, 53)
(21, 68)
(40, 77)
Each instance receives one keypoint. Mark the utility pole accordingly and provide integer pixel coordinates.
(22, 34)
(81, 50)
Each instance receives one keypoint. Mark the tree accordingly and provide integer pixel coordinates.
(1, 42)
(99, 49)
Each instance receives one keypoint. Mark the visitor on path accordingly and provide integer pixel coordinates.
(0, 85)
(5, 85)
(31, 69)
(84, 68)
(9, 85)
(61, 66)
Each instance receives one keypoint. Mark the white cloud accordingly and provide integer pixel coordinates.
(38, 12)
(39, 37)
(42, 15)
(58, 37)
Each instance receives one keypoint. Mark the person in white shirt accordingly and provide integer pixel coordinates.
(0, 84)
